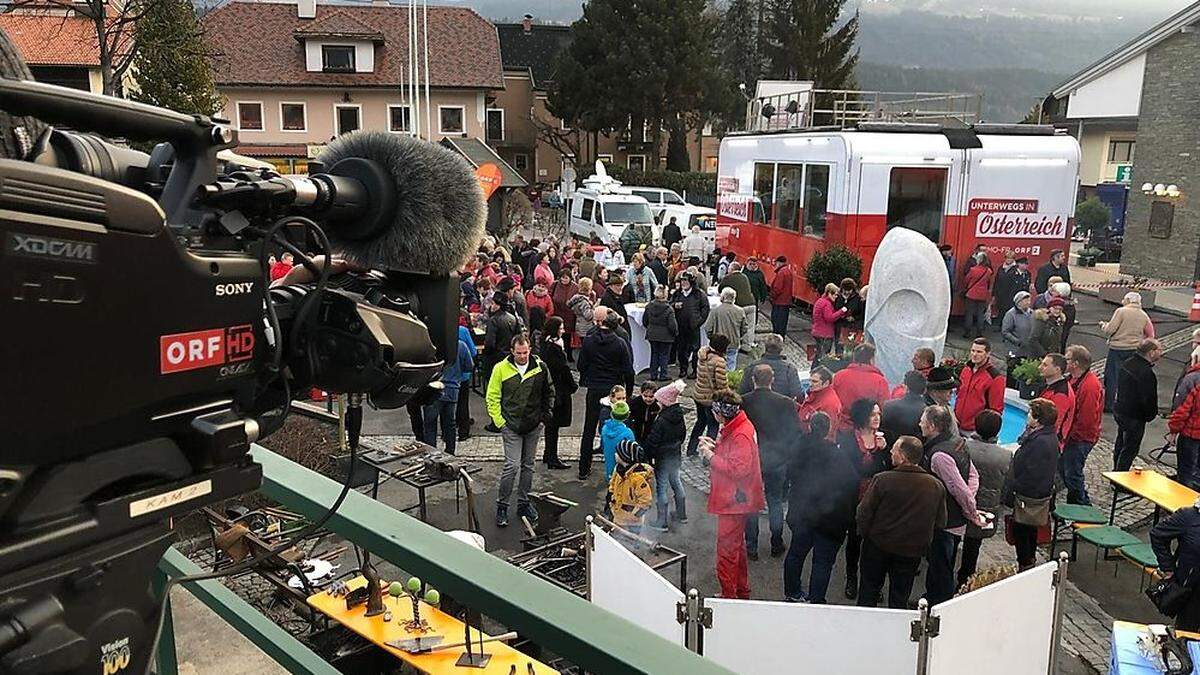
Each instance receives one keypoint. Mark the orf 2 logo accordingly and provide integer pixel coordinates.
(205, 348)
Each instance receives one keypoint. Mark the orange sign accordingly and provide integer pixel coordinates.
(489, 179)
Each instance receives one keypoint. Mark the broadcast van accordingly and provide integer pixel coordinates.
(603, 208)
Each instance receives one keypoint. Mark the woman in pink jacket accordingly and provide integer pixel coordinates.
(824, 316)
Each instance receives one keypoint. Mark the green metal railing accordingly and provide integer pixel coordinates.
(561, 621)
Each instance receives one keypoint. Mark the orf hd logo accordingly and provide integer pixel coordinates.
(205, 348)
(115, 656)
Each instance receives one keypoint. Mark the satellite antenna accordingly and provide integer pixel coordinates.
(601, 172)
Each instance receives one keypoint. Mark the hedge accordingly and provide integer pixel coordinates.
(696, 187)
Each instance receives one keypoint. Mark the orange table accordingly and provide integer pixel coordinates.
(380, 632)
(1151, 485)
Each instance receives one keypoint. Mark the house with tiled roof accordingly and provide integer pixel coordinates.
(59, 45)
(297, 74)
(522, 123)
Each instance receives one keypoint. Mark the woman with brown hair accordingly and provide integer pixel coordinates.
(1029, 489)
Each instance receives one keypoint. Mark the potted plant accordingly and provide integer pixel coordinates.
(1028, 378)
(1089, 256)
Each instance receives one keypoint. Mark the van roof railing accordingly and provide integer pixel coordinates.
(847, 108)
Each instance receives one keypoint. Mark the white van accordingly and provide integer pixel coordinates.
(685, 217)
(603, 208)
(657, 196)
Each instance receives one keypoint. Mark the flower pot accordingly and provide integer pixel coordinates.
(1030, 390)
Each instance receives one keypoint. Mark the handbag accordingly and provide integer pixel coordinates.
(1169, 595)
(1030, 511)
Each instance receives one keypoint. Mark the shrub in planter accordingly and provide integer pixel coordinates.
(1028, 378)
(831, 266)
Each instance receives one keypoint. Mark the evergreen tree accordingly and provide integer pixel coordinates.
(805, 42)
(172, 62)
(677, 152)
(741, 42)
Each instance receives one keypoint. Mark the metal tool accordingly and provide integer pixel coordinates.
(417, 645)
(457, 645)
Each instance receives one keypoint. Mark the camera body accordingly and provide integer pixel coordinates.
(145, 352)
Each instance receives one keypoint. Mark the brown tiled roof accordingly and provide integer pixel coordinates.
(48, 40)
(253, 44)
(337, 24)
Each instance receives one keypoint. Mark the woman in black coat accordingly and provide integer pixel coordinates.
(852, 321)
(821, 502)
(550, 349)
(1032, 475)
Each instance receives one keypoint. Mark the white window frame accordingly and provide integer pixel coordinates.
(629, 162)
(353, 57)
(402, 106)
(261, 115)
(486, 125)
(304, 107)
(562, 125)
(605, 157)
(461, 108)
(339, 106)
(523, 155)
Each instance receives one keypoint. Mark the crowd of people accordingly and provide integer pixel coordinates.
(844, 462)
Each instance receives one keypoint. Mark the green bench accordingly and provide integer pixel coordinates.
(1106, 538)
(1076, 515)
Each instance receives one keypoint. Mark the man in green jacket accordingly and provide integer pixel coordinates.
(758, 282)
(520, 396)
(738, 281)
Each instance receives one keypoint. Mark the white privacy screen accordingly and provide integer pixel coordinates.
(626, 586)
(1002, 629)
(751, 637)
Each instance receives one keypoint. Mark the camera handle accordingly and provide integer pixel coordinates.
(196, 138)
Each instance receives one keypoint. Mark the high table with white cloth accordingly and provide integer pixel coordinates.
(637, 333)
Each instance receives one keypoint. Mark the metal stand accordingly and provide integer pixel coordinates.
(925, 627)
(695, 616)
(1060, 586)
(471, 658)
(589, 546)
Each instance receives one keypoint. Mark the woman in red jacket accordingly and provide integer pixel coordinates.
(737, 490)
(977, 287)
(824, 320)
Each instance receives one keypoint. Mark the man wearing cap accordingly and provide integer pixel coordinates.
(737, 490)
(1056, 267)
(616, 295)
(691, 311)
(780, 295)
(786, 380)
(1010, 278)
(509, 287)
(939, 388)
(1017, 324)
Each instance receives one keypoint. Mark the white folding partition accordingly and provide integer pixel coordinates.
(751, 637)
(1002, 629)
(624, 585)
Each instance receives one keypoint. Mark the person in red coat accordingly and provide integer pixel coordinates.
(980, 385)
(824, 320)
(280, 269)
(737, 490)
(977, 289)
(923, 361)
(1184, 426)
(561, 293)
(860, 379)
(780, 295)
(820, 398)
(1053, 370)
(1085, 426)
(538, 298)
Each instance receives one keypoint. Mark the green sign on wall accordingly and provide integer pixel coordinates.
(1124, 173)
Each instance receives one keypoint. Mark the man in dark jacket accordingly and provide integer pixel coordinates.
(1010, 279)
(758, 282)
(947, 459)
(824, 488)
(642, 411)
(992, 462)
(671, 234)
(897, 518)
(777, 427)
(902, 416)
(520, 397)
(616, 295)
(659, 265)
(1182, 526)
(786, 379)
(1137, 402)
(1056, 267)
(691, 311)
(664, 443)
(501, 327)
(604, 360)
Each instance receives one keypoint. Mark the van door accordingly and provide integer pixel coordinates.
(916, 197)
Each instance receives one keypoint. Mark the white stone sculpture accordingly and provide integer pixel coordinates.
(909, 303)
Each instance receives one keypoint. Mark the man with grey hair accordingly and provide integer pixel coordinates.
(786, 380)
(729, 320)
(1126, 329)
(659, 265)
(737, 280)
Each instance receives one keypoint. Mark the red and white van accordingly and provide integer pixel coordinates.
(1008, 187)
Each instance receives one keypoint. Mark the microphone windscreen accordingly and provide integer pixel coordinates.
(440, 211)
(17, 134)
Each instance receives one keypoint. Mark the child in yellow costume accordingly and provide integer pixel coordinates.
(631, 488)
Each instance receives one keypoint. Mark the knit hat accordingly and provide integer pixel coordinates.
(629, 452)
(506, 284)
(620, 411)
(669, 394)
(1055, 302)
(940, 378)
(1021, 295)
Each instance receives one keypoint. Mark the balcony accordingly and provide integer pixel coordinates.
(845, 108)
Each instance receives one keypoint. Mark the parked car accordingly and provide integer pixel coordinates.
(686, 216)
(658, 196)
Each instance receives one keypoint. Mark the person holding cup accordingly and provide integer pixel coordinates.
(863, 443)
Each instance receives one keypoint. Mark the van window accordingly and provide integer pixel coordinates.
(586, 210)
(816, 199)
(628, 212)
(916, 200)
(704, 220)
(671, 198)
(789, 180)
(651, 196)
(764, 186)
